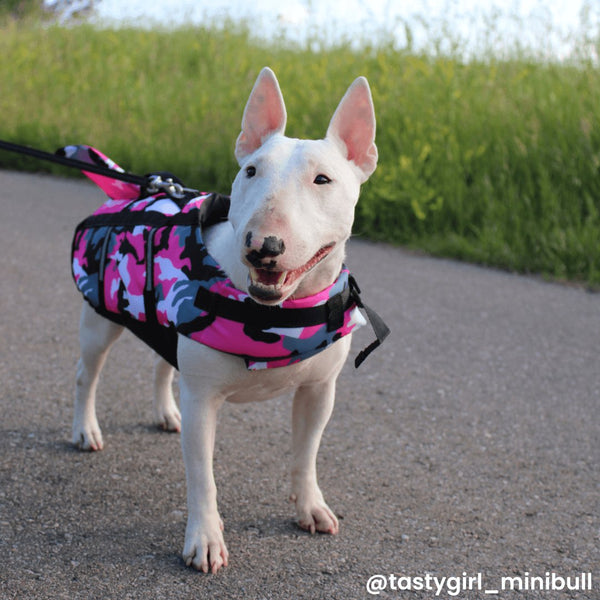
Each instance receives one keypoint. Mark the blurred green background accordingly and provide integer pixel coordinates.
(493, 159)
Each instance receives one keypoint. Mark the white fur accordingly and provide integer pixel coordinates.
(281, 199)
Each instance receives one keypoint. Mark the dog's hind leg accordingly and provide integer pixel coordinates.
(96, 336)
(166, 413)
(311, 410)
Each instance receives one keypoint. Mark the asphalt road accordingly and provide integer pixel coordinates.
(469, 445)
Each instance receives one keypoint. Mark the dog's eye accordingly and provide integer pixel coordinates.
(321, 179)
(250, 172)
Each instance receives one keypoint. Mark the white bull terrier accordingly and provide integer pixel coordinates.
(291, 213)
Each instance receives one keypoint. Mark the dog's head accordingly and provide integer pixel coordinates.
(292, 203)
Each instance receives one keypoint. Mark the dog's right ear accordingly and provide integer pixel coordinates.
(264, 115)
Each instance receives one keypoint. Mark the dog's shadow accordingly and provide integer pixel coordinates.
(57, 440)
(52, 446)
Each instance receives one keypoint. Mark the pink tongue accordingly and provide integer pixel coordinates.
(268, 277)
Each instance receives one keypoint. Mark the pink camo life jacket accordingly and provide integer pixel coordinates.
(140, 260)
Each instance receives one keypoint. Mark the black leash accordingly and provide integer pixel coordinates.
(74, 163)
(150, 184)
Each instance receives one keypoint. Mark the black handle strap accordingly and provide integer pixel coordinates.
(377, 324)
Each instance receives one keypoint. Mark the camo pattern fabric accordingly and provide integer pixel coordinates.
(151, 274)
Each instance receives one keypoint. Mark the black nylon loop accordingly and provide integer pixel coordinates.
(378, 325)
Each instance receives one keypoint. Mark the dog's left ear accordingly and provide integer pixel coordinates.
(353, 127)
(264, 115)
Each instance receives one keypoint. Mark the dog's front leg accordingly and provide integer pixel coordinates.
(311, 410)
(204, 546)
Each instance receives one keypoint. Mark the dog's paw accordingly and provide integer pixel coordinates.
(314, 514)
(88, 437)
(168, 419)
(166, 414)
(204, 547)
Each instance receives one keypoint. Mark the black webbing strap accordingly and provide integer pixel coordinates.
(377, 324)
(149, 291)
(212, 210)
(102, 268)
(263, 317)
(139, 217)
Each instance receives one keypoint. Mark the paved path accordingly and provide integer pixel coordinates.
(471, 444)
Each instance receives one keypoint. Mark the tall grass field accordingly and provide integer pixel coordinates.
(489, 159)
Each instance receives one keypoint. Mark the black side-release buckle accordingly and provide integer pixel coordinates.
(377, 323)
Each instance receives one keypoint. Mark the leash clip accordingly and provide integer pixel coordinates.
(173, 189)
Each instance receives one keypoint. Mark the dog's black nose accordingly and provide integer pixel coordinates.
(272, 246)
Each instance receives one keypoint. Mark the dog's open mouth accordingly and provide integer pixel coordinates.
(268, 285)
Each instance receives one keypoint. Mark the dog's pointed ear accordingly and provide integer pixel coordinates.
(352, 127)
(264, 115)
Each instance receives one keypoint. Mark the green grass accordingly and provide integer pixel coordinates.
(492, 160)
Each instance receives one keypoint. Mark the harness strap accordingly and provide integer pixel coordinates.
(149, 292)
(102, 268)
(265, 317)
(217, 203)
(135, 218)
